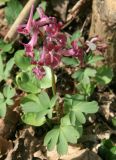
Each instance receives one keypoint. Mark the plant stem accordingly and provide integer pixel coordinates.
(53, 82)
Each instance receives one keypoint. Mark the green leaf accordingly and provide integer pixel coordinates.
(79, 127)
(78, 74)
(44, 99)
(5, 47)
(113, 151)
(107, 150)
(9, 102)
(46, 82)
(1, 68)
(92, 59)
(67, 103)
(89, 72)
(68, 42)
(81, 74)
(32, 119)
(30, 97)
(49, 115)
(31, 107)
(62, 146)
(12, 10)
(77, 116)
(39, 105)
(2, 109)
(104, 75)
(80, 117)
(73, 118)
(65, 120)
(85, 107)
(51, 138)
(42, 113)
(70, 61)
(60, 136)
(77, 108)
(70, 137)
(114, 121)
(27, 82)
(21, 61)
(43, 5)
(76, 35)
(1, 98)
(78, 97)
(53, 101)
(8, 68)
(86, 87)
(34, 113)
(8, 91)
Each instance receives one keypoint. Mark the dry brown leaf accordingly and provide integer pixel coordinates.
(5, 145)
(74, 153)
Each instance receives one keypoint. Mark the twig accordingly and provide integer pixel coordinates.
(86, 22)
(73, 12)
(24, 13)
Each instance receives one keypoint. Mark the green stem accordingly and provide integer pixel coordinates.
(53, 82)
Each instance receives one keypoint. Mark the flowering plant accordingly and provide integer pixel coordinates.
(44, 55)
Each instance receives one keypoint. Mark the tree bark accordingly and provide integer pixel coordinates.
(104, 24)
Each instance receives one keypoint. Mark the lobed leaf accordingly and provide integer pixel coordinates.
(62, 145)
(8, 68)
(32, 119)
(85, 107)
(21, 61)
(27, 82)
(2, 109)
(104, 75)
(8, 92)
(46, 81)
(44, 99)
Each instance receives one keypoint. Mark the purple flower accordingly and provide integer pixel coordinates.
(29, 46)
(60, 39)
(25, 28)
(54, 42)
(52, 60)
(39, 72)
(43, 22)
(49, 57)
(53, 29)
(75, 51)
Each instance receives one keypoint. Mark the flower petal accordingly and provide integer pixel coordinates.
(25, 29)
(39, 72)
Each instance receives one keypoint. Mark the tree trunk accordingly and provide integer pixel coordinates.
(104, 25)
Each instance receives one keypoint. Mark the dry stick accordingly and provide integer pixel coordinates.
(24, 13)
(86, 22)
(73, 12)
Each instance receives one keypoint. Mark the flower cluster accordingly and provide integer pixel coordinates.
(54, 42)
